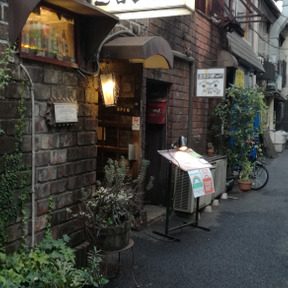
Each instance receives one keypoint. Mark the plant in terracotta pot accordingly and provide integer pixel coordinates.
(244, 181)
(110, 209)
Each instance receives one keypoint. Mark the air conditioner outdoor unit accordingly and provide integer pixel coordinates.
(184, 200)
(183, 196)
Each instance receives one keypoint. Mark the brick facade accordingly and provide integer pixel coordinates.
(65, 155)
(198, 37)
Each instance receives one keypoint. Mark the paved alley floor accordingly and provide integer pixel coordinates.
(246, 247)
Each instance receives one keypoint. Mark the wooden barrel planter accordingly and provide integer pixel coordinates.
(114, 237)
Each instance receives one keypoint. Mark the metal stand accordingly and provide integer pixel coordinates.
(168, 212)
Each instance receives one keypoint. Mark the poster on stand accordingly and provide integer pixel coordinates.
(202, 182)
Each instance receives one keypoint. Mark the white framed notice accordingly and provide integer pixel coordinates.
(66, 112)
(210, 82)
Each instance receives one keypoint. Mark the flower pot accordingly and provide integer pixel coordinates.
(245, 185)
(114, 238)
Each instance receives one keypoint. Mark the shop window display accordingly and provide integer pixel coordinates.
(49, 35)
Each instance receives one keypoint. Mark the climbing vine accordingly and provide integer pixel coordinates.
(5, 71)
(13, 177)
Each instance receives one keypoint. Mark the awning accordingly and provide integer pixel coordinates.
(94, 24)
(153, 52)
(226, 59)
(243, 51)
(276, 94)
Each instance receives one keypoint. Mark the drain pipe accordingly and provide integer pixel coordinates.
(190, 60)
(276, 29)
(33, 206)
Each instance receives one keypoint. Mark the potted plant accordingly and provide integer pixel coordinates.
(240, 115)
(111, 208)
(244, 181)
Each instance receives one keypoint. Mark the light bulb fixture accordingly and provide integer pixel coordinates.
(180, 144)
(109, 89)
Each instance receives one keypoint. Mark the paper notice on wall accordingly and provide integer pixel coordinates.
(135, 123)
(202, 182)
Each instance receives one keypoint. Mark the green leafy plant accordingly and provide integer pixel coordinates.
(5, 71)
(116, 200)
(50, 264)
(13, 177)
(246, 170)
(237, 113)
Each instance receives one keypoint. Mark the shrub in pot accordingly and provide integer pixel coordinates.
(244, 181)
(109, 210)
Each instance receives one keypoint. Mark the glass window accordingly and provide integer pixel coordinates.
(49, 34)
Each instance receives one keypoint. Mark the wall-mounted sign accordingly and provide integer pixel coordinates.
(66, 112)
(210, 82)
(139, 9)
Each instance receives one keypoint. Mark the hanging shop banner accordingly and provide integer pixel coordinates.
(240, 78)
(210, 82)
(140, 9)
(202, 182)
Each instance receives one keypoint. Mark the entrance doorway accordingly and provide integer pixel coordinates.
(156, 140)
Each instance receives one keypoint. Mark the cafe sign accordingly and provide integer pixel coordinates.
(210, 82)
(140, 9)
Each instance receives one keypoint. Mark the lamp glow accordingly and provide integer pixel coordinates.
(108, 86)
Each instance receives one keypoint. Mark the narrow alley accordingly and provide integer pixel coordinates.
(246, 247)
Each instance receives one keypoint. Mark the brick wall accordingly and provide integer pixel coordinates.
(65, 155)
(194, 36)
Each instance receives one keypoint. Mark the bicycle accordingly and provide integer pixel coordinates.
(259, 175)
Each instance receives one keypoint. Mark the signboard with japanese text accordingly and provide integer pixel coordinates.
(210, 82)
(140, 9)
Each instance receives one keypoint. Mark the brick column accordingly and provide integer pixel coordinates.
(3, 24)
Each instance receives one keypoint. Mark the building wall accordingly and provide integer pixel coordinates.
(65, 155)
(198, 37)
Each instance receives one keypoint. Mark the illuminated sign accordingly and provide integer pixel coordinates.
(139, 9)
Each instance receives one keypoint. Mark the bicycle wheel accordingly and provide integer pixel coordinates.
(260, 176)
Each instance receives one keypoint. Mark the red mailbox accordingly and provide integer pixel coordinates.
(156, 111)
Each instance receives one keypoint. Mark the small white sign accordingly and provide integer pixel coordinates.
(135, 123)
(66, 112)
(210, 82)
(137, 9)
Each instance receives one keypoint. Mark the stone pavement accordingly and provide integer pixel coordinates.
(246, 247)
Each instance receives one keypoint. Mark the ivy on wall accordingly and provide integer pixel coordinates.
(13, 175)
